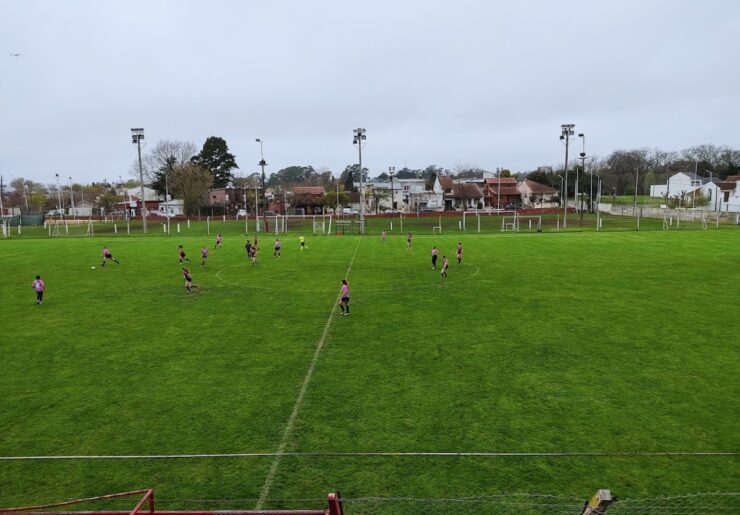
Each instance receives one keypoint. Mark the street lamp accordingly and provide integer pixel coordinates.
(566, 131)
(561, 187)
(583, 168)
(262, 164)
(25, 194)
(391, 172)
(136, 136)
(72, 199)
(358, 139)
(59, 196)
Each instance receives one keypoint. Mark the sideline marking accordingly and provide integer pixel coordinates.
(304, 386)
(371, 454)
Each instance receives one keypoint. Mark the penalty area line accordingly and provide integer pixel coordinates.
(301, 393)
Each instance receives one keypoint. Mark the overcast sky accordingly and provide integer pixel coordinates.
(471, 83)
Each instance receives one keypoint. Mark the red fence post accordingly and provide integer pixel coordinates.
(335, 504)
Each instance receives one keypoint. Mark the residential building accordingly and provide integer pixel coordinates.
(534, 194)
(729, 199)
(501, 192)
(687, 187)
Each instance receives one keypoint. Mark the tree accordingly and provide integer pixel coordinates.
(216, 158)
(107, 201)
(330, 199)
(163, 158)
(350, 177)
(291, 176)
(191, 183)
(376, 195)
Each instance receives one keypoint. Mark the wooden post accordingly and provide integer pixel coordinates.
(598, 503)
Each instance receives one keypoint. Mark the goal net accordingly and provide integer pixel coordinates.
(519, 223)
(71, 228)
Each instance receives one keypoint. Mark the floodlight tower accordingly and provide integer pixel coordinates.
(392, 172)
(566, 131)
(358, 139)
(136, 136)
(262, 164)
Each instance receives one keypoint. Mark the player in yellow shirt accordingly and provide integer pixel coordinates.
(302, 241)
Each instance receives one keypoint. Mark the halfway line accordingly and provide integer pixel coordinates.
(304, 386)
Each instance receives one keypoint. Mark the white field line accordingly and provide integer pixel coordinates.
(370, 454)
(301, 393)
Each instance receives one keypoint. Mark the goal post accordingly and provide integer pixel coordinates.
(465, 221)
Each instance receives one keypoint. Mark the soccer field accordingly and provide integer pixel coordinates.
(598, 351)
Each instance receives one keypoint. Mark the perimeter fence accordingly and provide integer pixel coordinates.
(515, 504)
(609, 219)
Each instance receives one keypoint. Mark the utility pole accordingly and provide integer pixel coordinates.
(59, 197)
(2, 193)
(359, 138)
(136, 136)
(71, 199)
(583, 168)
(262, 164)
(391, 172)
(566, 131)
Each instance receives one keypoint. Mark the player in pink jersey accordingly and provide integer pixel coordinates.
(219, 239)
(383, 237)
(107, 256)
(39, 287)
(459, 252)
(203, 255)
(434, 258)
(344, 297)
(278, 246)
(409, 241)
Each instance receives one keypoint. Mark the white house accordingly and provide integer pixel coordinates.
(730, 194)
(535, 194)
(685, 186)
(81, 208)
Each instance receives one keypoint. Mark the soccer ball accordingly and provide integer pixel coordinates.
(93, 268)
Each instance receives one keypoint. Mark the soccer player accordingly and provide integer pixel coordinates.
(277, 248)
(253, 254)
(248, 248)
(302, 241)
(445, 264)
(181, 253)
(39, 287)
(344, 300)
(108, 256)
(219, 239)
(434, 258)
(383, 237)
(459, 252)
(409, 241)
(203, 255)
(188, 280)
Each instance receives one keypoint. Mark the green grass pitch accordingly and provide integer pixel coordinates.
(582, 342)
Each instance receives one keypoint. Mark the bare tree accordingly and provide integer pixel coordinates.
(165, 156)
(191, 183)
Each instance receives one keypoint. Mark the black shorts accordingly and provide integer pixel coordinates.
(108, 256)
(345, 299)
(303, 244)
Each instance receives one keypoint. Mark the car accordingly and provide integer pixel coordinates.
(241, 212)
(55, 212)
(349, 211)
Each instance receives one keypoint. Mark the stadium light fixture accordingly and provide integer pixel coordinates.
(359, 139)
(137, 135)
(262, 164)
(566, 131)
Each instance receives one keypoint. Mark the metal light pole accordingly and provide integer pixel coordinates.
(561, 187)
(583, 167)
(72, 199)
(262, 164)
(136, 136)
(59, 196)
(256, 209)
(25, 194)
(391, 172)
(566, 131)
(359, 138)
(167, 198)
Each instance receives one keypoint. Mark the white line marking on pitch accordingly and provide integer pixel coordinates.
(301, 393)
